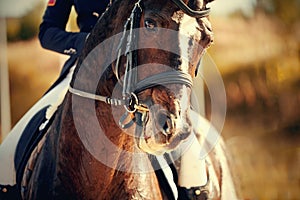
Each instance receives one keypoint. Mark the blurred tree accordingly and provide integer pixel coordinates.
(26, 27)
(287, 11)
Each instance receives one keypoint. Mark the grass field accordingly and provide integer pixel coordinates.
(32, 70)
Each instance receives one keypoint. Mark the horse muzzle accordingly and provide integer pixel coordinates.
(162, 132)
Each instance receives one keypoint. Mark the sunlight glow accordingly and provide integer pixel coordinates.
(226, 7)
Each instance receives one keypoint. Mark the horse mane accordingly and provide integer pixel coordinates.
(109, 24)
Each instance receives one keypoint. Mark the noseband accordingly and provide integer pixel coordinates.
(131, 86)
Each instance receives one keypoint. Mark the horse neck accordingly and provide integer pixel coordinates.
(88, 128)
(81, 169)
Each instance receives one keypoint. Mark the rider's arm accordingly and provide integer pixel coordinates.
(52, 34)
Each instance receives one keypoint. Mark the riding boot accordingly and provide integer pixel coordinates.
(194, 193)
(8, 192)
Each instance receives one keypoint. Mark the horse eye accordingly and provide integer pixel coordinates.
(150, 25)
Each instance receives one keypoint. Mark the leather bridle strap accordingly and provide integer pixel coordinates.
(189, 11)
(169, 77)
(107, 100)
(130, 76)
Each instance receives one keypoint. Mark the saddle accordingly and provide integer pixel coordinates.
(31, 136)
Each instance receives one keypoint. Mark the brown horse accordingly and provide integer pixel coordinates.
(129, 97)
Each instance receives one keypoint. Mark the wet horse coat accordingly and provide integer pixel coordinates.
(62, 167)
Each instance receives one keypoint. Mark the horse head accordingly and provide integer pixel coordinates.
(158, 53)
(171, 41)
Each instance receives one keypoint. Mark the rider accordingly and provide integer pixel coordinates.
(52, 33)
(52, 36)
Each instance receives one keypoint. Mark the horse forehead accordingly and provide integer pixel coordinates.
(188, 31)
(189, 38)
(187, 25)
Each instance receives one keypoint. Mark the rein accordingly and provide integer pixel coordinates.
(131, 86)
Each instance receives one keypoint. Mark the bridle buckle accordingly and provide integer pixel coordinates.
(131, 102)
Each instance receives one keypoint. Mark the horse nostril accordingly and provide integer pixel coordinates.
(164, 122)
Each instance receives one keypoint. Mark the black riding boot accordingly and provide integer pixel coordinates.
(8, 192)
(194, 193)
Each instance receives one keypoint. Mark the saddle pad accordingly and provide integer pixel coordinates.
(28, 141)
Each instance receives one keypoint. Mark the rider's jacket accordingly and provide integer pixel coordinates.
(52, 33)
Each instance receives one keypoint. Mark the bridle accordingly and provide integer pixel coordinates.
(131, 86)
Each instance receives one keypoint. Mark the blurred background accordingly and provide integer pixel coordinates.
(257, 51)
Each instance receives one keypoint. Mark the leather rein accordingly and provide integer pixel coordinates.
(131, 86)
